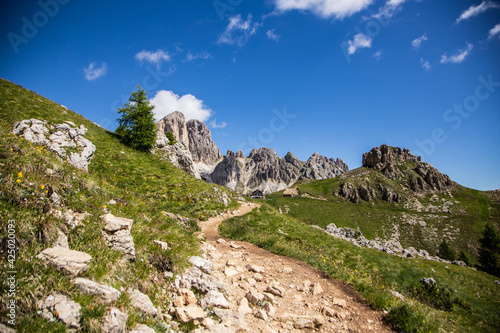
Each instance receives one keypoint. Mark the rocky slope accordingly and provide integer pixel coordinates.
(394, 175)
(263, 169)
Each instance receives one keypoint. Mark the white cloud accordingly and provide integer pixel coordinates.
(192, 57)
(476, 10)
(391, 8)
(418, 41)
(154, 57)
(238, 31)
(324, 8)
(459, 57)
(214, 124)
(494, 32)
(166, 102)
(272, 35)
(358, 42)
(378, 55)
(425, 64)
(92, 72)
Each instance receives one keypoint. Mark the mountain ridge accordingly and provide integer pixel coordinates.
(262, 169)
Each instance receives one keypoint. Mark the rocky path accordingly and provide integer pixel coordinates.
(271, 293)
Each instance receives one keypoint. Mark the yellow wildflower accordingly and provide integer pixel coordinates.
(42, 186)
(18, 181)
(20, 175)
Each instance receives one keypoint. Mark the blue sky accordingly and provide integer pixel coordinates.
(328, 76)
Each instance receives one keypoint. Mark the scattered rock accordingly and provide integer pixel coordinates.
(254, 297)
(62, 240)
(114, 321)
(260, 314)
(106, 293)
(69, 261)
(275, 289)
(6, 329)
(61, 307)
(428, 281)
(141, 301)
(116, 232)
(255, 269)
(339, 302)
(190, 313)
(164, 246)
(243, 308)
(329, 312)
(141, 328)
(202, 264)
(316, 289)
(215, 298)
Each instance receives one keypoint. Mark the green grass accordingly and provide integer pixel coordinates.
(374, 274)
(142, 183)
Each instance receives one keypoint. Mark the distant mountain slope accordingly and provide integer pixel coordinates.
(262, 169)
(395, 197)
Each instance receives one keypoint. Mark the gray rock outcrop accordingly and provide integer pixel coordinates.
(263, 169)
(174, 122)
(116, 232)
(141, 301)
(320, 167)
(61, 136)
(203, 149)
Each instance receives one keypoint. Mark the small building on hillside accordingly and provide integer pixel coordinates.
(257, 194)
(291, 192)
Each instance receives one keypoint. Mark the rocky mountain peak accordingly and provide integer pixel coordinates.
(174, 122)
(202, 147)
(380, 157)
(320, 167)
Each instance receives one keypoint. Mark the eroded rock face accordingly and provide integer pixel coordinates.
(62, 136)
(175, 123)
(380, 157)
(320, 167)
(179, 155)
(203, 149)
(263, 169)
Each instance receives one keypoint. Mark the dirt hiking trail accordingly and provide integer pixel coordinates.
(272, 293)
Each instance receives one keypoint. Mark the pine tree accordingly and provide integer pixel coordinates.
(463, 257)
(445, 252)
(171, 138)
(489, 253)
(136, 125)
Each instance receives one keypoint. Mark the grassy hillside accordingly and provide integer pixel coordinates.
(423, 220)
(143, 187)
(465, 300)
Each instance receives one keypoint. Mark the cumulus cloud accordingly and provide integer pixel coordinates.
(93, 72)
(425, 64)
(494, 32)
(192, 57)
(418, 41)
(458, 57)
(358, 42)
(238, 31)
(214, 124)
(272, 35)
(324, 8)
(166, 102)
(476, 10)
(154, 57)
